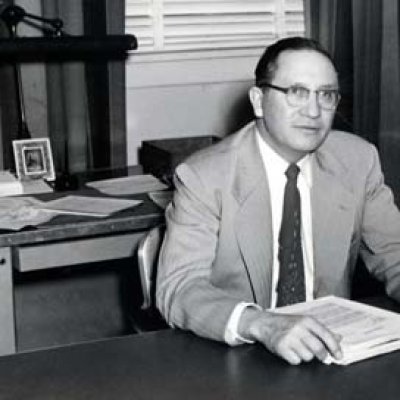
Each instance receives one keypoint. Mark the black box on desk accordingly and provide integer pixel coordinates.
(160, 157)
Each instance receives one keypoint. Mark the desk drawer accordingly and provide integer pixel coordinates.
(61, 254)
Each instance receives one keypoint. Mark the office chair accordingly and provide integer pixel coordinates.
(148, 251)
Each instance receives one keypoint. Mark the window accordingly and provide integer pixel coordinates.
(182, 25)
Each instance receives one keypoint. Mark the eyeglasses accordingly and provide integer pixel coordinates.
(298, 96)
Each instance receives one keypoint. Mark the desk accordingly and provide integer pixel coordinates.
(68, 240)
(176, 365)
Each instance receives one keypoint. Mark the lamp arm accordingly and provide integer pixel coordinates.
(13, 15)
(55, 23)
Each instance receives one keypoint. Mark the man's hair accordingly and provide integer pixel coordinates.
(267, 65)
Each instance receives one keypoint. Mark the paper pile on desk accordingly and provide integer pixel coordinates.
(366, 331)
(18, 212)
(88, 205)
(128, 185)
(161, 198)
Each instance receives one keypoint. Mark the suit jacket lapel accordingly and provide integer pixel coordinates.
(253, 220)
(333, 208)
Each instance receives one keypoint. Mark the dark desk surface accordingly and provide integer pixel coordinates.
(176, 365)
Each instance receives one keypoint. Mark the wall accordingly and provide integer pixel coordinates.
(181, 95)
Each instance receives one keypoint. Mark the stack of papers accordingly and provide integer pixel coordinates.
(18, 212)
(366, 331)
(128, 185)
(89, 206)
(36, 186)
(161, 198)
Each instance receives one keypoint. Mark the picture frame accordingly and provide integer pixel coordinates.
(33, 159)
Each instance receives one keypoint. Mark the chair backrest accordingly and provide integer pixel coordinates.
(148, 251)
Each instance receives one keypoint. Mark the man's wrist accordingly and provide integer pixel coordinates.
(247, 322)
(232, 335)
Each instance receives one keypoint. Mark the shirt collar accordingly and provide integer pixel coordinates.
(277, 165)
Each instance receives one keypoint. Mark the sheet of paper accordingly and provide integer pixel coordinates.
(36, 186)
(128, 185)
(161, 198)
(18, 212)
(9, 184)
(366, 331)
(88, 205)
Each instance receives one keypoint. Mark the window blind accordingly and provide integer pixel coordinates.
(176, 25)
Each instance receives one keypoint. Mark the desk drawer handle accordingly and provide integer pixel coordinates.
(2, 261)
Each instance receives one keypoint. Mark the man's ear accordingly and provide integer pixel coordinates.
(256, 97)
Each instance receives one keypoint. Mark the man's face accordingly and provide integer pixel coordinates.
(294, 131)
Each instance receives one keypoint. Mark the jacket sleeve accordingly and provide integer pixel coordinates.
(185, 294)
(380, 247)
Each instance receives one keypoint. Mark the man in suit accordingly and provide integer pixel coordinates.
(220, 270)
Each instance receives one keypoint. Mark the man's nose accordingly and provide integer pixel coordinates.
(312, 108)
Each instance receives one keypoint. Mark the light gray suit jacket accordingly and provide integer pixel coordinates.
(217, 250)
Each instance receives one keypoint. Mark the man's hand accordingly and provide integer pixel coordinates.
(295, 338)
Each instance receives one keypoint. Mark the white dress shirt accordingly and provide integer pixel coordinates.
(275, 167)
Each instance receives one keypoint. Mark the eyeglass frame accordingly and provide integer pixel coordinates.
(286, 90)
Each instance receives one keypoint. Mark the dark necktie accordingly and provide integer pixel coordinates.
(291, 288)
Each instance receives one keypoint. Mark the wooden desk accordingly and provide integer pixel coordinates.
(67, 240)
(176, 365)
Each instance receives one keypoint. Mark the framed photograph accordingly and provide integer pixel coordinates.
(33, 159)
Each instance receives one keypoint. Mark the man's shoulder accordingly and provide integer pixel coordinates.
(339, 139)
(217, 165)
(347, 144)
(349, 151)
(222, 152)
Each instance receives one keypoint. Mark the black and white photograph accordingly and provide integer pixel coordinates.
(33, 159)
(206, 199)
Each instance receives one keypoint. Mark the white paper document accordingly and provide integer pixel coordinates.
(88, 205)
(366, 331)
(18, 212)
(9, 184)
(161, 198)
(128, 185)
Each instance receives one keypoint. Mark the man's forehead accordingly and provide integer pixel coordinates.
(305, 64)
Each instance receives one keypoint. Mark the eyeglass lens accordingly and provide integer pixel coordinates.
(298, 96)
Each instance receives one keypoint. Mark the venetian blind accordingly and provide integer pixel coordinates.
(176, 25)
